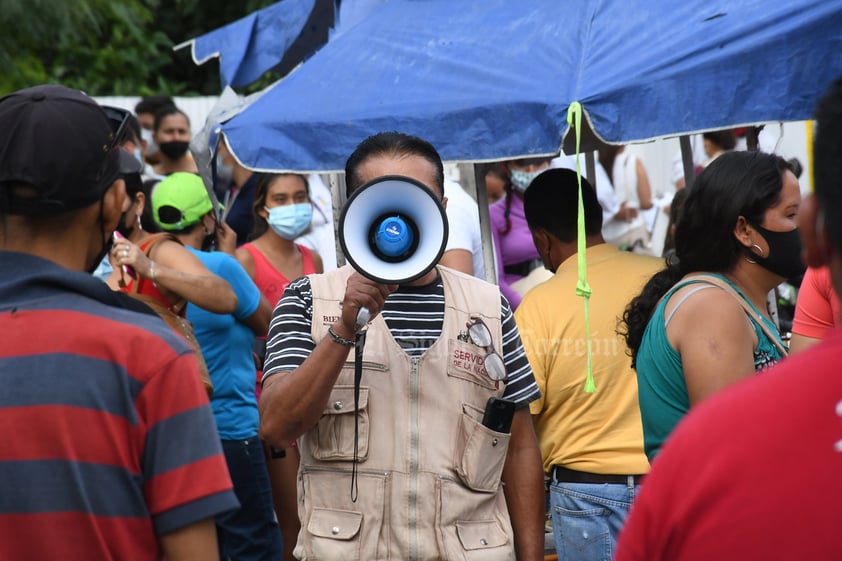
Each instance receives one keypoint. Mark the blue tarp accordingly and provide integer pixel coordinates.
(492, 80)
(252, 45)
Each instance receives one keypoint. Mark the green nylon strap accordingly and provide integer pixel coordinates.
(583, 289)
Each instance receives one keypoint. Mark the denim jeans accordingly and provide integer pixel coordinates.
(587, 518)
(250, 532)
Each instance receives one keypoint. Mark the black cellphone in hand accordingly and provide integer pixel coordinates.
(499, 414)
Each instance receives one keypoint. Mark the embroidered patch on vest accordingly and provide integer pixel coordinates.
(467, 361)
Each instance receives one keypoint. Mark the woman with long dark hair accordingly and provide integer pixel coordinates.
(702, 323)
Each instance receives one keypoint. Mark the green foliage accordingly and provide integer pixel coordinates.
(112, 47)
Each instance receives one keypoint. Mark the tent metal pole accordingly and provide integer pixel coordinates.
(687, 160)
(590, 169)
(485, 225)
(337, 192)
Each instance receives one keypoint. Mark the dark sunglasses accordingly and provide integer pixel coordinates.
(118, 119)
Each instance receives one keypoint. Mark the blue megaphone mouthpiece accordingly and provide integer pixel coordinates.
(393, 237)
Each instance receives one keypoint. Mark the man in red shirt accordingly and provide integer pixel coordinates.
(109, 448)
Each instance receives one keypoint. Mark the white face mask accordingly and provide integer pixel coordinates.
(146, 135)
(290, 221)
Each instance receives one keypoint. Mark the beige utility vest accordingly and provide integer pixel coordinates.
(428, 472)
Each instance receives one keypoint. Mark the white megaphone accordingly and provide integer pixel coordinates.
(393, 230)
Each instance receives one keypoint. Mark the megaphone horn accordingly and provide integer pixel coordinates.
(393, 230)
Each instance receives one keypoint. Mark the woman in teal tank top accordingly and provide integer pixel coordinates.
(692, 336)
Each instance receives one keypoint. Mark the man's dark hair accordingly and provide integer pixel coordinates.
(552, 203)
(827, 150)
(394, 144)
(725, 139)
(153, 104)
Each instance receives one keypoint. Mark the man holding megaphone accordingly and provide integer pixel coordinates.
(419, 444)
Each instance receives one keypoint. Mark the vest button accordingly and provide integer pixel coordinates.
(483, 541)
(494, 442)
(334, 530)
(338, 405)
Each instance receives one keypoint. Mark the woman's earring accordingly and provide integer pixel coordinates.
(759, 251)
(139, 224)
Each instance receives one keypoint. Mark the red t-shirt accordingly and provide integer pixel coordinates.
(817, 308)
(753, 473)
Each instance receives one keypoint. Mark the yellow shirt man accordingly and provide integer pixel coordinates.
(596, 432)
(591, 443)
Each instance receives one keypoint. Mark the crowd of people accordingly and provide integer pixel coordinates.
(190, 375)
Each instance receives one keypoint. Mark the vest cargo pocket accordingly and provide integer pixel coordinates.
(334, 534)
(333, 527)
(332, 439)
(480, 535)
(474, 526)
(480, 454)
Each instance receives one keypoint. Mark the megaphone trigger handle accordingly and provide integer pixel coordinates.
(363, 317)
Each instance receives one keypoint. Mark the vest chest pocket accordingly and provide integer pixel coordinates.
(332, 439)
(480, 453)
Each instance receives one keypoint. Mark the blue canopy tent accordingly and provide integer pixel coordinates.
(252, 45)
(493, 80)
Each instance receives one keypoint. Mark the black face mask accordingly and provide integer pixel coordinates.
(122, 227)
(107, 241)
(209, 242)
(784, 257)
(174, 150)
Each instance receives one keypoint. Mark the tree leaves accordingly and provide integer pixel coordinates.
(108, 47)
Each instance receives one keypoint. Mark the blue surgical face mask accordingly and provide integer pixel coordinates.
(522, 179)
(103, 270)
(290, 221)
(139, 157)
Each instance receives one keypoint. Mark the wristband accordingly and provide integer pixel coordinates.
(152, 272)
(339, 339)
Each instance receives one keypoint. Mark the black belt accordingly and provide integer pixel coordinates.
(564, 475)
(523, 268)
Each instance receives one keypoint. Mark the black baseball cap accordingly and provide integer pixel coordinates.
(58, 141)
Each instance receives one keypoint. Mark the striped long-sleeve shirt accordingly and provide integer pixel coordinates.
(414, 314)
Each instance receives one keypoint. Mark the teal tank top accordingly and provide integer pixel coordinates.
(662, 390)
